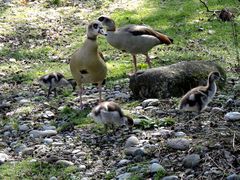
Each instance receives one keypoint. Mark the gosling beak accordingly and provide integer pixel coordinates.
(102, 32)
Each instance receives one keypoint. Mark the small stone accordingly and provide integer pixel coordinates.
(155, 167)
(53, 178)
(217, 110)
(27, 152)
(165, 133)
(23, 127)
(233, 177)
(150, 102)
(48, 127)
(211, 32)
(130, 151)
(170, 178)
(232, 116)
(139, 152)
(7, 134)
(191, 161)
(24, 101)
(180, 134)
(154, 161)
(48, 114)
(64, 162)
(124, 176)
(123, 162)
(7, 128)
(48, 141)
(3, 158)
(46, 133)
(178, 143)
(132, 141)
(82, 167)
(19, 148)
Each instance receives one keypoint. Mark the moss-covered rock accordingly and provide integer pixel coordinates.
(173, 80)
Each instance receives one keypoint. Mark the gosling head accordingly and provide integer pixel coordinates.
(214, 76)
(106, 21)
(94, 29)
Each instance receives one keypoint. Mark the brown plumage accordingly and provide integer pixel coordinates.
(198, 98)
(86, 65)
(110, 115)
(134, 39)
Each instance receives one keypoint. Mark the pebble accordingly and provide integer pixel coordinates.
(191, 161)
(48, 114)
(27, 151)
(124, 176)
(53, 178)
(154, 161)
(82, 167)
(45, 133)
(48, 127)
(217, 110)
(24, 101)
(48, 141)
(170, 178)
(123, 162)
(179, 143)
(165, 133)
(19, 148)
(150, 102)
(155, 167)
(64, 162)
(132, 141)
(232, 116)
(7, 134)
(180, 134)
(23, 127)
(233, 177)
(3, 158)
(7, 128)
(130, 151)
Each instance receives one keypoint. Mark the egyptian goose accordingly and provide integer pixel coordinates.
(134, 39)
(197, 99)
(86, 64)
(110, 115)
(54, 80)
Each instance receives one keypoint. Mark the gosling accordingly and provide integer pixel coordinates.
(111, 116)
(197, 99)
(54, 81)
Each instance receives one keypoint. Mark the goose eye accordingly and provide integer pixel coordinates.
(95, 26)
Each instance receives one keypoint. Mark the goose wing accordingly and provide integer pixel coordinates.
(138, 30)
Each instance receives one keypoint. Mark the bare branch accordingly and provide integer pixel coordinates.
(205, 4)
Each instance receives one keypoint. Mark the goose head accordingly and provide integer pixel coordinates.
(94, 29)
(109, 23)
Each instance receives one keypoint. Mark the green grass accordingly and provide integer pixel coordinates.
(74, 118)
(26, 169)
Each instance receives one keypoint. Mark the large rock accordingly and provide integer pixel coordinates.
(173, 80)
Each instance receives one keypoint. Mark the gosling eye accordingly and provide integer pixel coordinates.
(95, 26)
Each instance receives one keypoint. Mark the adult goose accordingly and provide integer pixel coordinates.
(86, 64)
(134, 39)
(197, 99)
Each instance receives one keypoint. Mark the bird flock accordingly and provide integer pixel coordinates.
(87, 65)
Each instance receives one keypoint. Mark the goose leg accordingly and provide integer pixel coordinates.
(100, 92)
(55, 92)
(80, 95)
(49, 91)
(148, 60)
(134, 62)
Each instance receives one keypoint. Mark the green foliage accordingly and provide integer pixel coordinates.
(74, 117)
(35, 170)
(166, 121)
(110, 176)
(160, 174)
